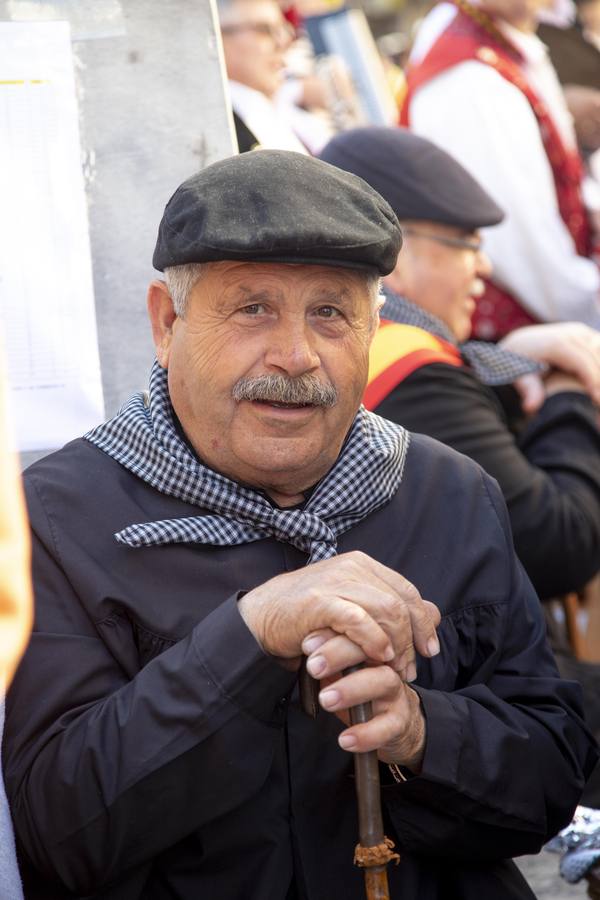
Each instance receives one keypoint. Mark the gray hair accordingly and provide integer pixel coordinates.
(180, 281)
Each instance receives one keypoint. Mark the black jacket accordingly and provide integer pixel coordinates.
(153, 751)
(548, 471)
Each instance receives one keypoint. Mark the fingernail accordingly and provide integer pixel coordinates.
(316, 665)
(433, 646)
(329, 698)
(389, 654)
(309, 645)
(347, 741)
(411, 672)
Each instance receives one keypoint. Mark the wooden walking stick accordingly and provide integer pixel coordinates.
(374, 850)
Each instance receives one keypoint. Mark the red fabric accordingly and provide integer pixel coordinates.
(293, 16)
(465, 39)
(497, 313)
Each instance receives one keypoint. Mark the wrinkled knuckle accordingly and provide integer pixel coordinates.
(355, 555)
(393, 682)
(391, 606)
(358, 559)
(356, 615)
(433, 611)
(398, 724)
(412, 595)
(399, 615)
(408, 653)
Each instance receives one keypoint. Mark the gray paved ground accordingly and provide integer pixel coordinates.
(541, 872)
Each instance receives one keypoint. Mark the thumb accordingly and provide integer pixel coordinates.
(530, 389)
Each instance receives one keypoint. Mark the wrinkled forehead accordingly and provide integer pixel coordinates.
(248, 277)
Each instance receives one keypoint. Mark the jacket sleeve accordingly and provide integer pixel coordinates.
(507, 752)
(87, 748)
(549, 476)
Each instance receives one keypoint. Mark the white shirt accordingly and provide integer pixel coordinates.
(264, 119)
(314, 130)
(488, 125)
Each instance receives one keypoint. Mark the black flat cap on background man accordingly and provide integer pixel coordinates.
(247, 511)
(415, 176)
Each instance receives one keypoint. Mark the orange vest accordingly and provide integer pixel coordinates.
(396, 351)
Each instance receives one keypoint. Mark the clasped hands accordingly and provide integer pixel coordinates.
(571, 350)
(343, 611)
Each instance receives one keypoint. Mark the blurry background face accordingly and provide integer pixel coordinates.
(255, 38)
(589, 13)
(443, 280)
(521, 14)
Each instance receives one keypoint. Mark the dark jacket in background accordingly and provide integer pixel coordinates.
(246, 139)
(548, 470)
(153, 751)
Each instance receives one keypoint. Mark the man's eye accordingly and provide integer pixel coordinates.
(328, 312)
(253, 309)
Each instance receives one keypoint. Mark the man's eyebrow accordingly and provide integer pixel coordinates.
(333, 295)
(249, 294)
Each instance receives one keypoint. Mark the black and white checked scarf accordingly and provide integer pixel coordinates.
(491, 364)
(143, 438)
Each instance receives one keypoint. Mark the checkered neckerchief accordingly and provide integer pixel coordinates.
(143, 438)
(490, 363)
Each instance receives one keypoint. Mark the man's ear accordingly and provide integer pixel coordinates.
(375, 319)
(162, 316)
(395, 281)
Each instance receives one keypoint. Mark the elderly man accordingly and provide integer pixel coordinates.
(481, 85)
(243, 513)
(549, 467)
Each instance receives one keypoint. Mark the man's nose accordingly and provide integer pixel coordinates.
(283, 36)
(282, 41)
(483, 263)
(291, 349)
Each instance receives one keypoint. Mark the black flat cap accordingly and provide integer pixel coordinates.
(418, 179)
(278, 206)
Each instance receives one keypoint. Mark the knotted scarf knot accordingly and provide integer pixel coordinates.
(300, 528)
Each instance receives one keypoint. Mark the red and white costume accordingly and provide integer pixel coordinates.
(496, 106)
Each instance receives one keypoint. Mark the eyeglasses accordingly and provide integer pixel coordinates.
(279, 34)
(462, 243)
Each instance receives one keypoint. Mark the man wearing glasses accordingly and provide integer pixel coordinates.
(425, 373)
(256, 37)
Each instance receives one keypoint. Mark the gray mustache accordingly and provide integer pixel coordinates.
(276, 388)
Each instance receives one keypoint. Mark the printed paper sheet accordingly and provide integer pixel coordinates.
(46, 293)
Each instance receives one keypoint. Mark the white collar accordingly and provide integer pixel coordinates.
(528, 44)
(264, 119)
